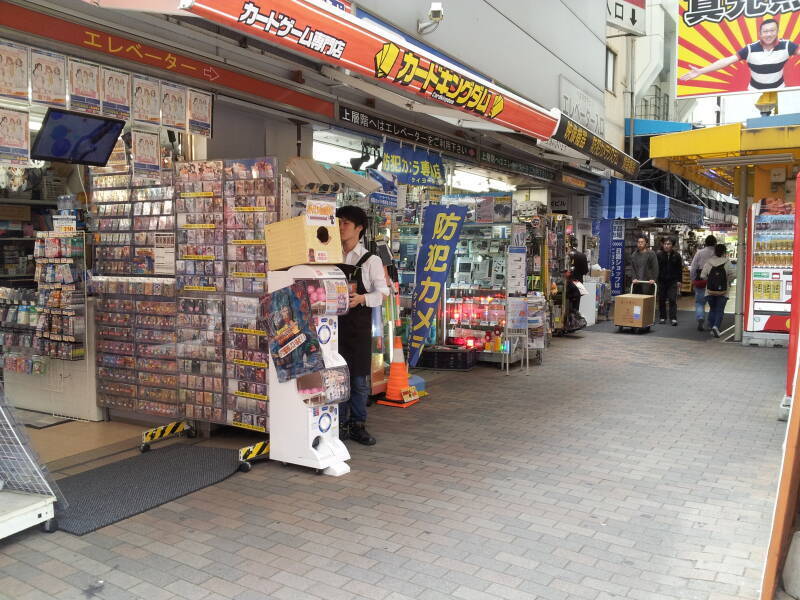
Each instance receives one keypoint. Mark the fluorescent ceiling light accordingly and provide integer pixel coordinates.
(168, 7)
(752, 159)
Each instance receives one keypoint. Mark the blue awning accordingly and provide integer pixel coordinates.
(626, 200)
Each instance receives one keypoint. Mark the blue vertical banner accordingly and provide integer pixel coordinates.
(441, 229)
(617, 257)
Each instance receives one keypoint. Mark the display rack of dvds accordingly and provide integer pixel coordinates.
(137, 345)
(247, 363)
(111, 208)
(201, 357)
(250, 204)
(60, 273)
(200, 245)
(153, 226)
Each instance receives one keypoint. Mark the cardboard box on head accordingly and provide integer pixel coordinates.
(312, 238)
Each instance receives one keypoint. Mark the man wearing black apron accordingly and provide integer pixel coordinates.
(367, 282)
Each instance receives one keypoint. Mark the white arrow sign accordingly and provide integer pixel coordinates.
(627, 15)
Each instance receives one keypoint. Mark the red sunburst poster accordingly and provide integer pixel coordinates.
(736, 46)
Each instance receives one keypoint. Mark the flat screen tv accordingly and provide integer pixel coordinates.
(77, 138)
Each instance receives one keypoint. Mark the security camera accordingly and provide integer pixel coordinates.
(435, 16)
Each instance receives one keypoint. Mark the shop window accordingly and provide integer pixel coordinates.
(611, 69)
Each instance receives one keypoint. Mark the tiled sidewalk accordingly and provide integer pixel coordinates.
(625, 467)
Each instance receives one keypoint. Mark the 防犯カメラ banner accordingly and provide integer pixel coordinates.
(441, 228)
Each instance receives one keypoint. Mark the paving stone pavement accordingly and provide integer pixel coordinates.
(632, 467)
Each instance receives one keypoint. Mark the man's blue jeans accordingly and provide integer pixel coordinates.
(355, 409)
(700, 303)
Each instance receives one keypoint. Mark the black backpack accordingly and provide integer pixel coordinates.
(717, 279)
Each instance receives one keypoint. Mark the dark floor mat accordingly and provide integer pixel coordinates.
(38, 420)
(120, 490)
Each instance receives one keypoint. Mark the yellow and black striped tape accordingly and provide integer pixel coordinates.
(254, 451)
(168, 430)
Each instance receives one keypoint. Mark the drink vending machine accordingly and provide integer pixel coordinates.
(304, 400)
(769, 271)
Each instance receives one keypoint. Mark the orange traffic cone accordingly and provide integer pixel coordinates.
(398, 372)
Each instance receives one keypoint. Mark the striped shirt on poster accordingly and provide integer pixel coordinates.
(766, 66)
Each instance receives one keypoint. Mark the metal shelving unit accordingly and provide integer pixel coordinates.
(27, 497)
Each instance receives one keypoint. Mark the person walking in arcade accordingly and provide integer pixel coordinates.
(367, 283)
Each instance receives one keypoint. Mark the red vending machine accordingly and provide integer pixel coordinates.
(768, 286)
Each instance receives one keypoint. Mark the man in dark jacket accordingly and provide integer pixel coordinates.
(578, 261)
(670, 274)
(644, 266)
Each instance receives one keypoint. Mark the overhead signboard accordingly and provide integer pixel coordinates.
(405, 133)
(340, 39)
(90, 39)
(514, 165)
(627, 15)
(576, 136)
(729, 47)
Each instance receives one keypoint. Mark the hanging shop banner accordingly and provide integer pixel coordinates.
(146, 108)
(14, 137)
(346, 41)
(579, 138)
(14, 70)
(200, 106)
(146, 149)
(413, 166)
(48, 78)
(173, 105)
(617, 257)
(84, 86)
(441, 229)
(506, 163)
(116, 98)
(405, 133)
(734, 47)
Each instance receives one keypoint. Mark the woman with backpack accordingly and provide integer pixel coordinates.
(719, 273)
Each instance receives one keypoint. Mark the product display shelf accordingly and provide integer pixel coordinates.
(137, 366)
(19, 315)
(249, 191)
(61, 276)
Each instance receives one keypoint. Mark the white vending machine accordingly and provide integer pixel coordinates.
(304, 410)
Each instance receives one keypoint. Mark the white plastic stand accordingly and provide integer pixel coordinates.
(301, 434)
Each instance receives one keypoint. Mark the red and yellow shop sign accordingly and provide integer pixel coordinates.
(96, 40)
(343, 40)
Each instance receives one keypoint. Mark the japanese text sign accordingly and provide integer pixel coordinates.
(579, 138)
(97, 41)
(617, 258)
(727, 46)
(403, 132)
(413, 166)
(441, 228)
(346, 41)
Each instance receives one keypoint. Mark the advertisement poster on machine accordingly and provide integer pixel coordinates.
(735, 47)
